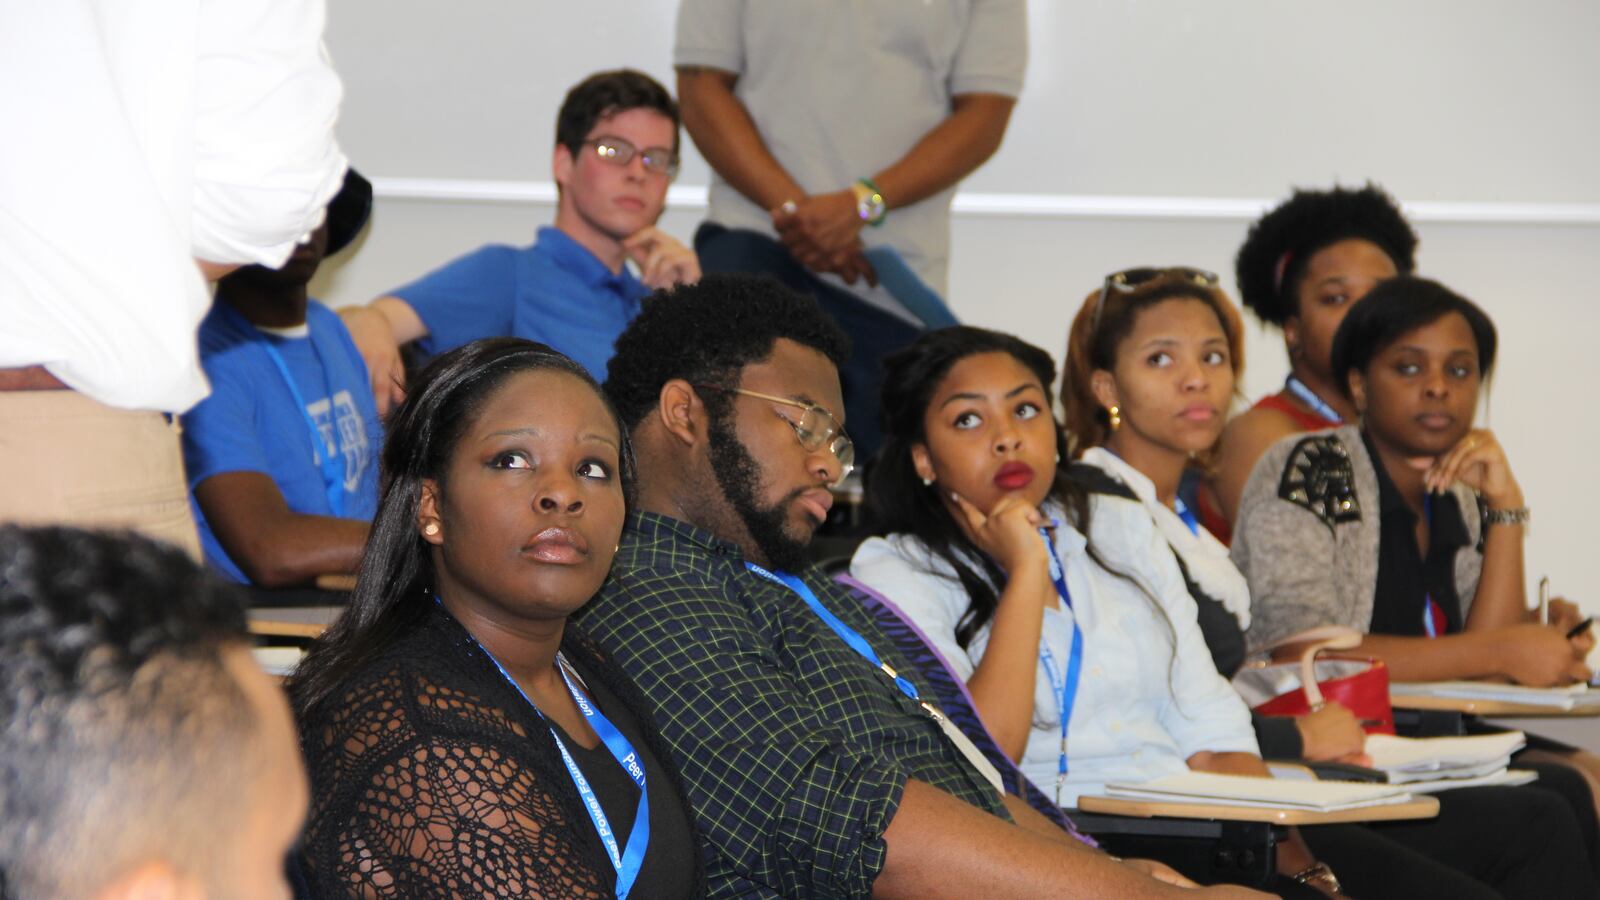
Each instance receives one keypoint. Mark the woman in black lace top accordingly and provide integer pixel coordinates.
(454, 723)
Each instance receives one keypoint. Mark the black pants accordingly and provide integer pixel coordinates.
(1520, 842)
(873, 332)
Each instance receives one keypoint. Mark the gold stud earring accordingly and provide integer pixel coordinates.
(1115, 414)
(430, 529)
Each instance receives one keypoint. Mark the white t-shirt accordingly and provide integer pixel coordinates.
(841, 89)
(1140, 709)
(139, 137)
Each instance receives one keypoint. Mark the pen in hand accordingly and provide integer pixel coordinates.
(1580, 628)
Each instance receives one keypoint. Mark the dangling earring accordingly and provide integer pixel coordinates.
(430, 529)
(927, 482)
(1115, 414)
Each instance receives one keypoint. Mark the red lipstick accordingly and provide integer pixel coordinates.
(1013, 476)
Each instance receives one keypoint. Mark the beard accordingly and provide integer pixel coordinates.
(740, 479)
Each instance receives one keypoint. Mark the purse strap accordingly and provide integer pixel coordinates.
(1324, 637)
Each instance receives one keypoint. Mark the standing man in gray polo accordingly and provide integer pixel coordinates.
(840, 125)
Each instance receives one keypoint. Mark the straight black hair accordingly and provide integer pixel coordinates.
(1398, 306)
(395, 585)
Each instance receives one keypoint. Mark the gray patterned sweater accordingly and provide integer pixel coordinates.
(1307, 537)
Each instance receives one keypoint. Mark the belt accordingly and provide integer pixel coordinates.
(29, 378)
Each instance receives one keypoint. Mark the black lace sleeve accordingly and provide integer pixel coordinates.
(449, 806)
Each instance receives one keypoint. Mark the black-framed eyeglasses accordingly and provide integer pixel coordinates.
(619, 152)
(1129, 281)
(816, 429)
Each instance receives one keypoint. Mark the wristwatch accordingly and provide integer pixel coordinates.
(1516, 516)
(870, 204)
(1318, 875)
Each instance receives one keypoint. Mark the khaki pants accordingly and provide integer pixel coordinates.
(68, 460)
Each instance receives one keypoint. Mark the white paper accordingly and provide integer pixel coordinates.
(1400, 754)
(279, 661)
(1569, 697)
(1243, 790)
(1505, 777)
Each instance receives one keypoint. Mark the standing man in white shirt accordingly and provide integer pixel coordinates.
(149, 149)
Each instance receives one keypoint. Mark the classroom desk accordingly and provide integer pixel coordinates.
(1578, 727)
(1491, 707)
(293, 621)
(1421, 807)
(342, 583)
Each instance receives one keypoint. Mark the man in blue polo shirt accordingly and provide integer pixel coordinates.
(616, 152)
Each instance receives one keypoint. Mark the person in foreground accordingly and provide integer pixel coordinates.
(811, 771)
(616, 153)
(463, 738)
(143, 753)
(1153, 356)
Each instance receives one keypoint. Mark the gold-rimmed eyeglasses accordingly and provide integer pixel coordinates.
(817, 428)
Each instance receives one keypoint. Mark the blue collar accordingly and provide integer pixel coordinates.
(573, 257)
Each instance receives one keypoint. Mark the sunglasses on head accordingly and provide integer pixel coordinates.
(1129, 281)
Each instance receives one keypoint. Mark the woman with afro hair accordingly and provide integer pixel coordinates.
(1301, 268)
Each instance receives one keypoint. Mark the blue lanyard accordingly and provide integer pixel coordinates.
(1430, 606)
(1064, 687)
(328, 457)
(847, 634)
(1187, 515)
(628, 861)
(1309, 397)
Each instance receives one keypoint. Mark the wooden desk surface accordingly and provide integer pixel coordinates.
(293, 621)
(1420, 807)
(1490, 707)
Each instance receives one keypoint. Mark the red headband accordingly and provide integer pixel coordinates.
(1277, 271)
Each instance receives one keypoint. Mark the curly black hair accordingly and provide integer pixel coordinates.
(705, 333)
(1272, 260)
(123, 735)
(606, 94)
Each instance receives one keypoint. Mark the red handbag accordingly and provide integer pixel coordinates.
(1359, 684)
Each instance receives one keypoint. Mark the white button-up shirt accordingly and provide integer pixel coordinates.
(139, 137)
(1149, 696)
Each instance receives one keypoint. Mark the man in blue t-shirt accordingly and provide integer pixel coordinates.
(282, 457)
(616, 153)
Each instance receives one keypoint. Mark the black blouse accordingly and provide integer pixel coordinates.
(1405, 576)
(432, 777)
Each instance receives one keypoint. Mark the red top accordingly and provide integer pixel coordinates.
(1308, 421)
(1205, 507)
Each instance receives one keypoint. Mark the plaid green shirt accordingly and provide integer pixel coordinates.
(794, 750)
